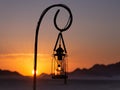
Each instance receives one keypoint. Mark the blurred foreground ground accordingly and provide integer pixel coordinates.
(26, 84)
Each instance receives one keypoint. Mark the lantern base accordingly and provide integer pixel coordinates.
(59, 77)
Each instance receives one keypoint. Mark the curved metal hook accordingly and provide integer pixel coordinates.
(69, 22)
(37, 31)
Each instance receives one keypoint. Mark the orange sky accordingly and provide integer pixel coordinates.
(23, 63)
(92, 38)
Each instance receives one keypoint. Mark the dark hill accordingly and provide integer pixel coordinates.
(9, 73)
(99, 70)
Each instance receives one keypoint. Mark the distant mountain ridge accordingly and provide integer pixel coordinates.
(99, 70)
(9, 73)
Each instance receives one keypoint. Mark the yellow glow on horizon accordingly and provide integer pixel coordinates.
(24, 63)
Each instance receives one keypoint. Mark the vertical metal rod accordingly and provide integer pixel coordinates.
(35, 57)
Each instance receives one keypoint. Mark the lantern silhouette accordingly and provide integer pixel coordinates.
(59, 60)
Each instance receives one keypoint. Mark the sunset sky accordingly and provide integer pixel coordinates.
(94, 36)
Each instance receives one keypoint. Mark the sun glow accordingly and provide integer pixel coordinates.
(23, 63)
(33, 72)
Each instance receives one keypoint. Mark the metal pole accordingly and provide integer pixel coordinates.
(37, 31)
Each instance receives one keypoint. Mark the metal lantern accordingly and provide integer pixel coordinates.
(59, 61)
